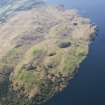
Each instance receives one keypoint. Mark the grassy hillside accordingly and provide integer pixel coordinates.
(40, 51)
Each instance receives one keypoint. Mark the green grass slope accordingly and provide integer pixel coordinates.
(41, 50)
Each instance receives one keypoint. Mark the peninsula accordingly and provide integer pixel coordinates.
(41, 48)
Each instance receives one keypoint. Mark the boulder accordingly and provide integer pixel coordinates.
(64, 44)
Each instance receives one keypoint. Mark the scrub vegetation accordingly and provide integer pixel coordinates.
(43, 50)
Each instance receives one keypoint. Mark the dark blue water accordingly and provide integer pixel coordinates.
(88, 86)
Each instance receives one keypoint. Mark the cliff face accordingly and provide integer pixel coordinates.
(40, 49)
